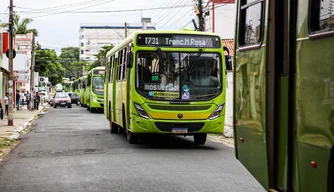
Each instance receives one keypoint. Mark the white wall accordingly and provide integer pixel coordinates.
(225, 15)
(20, 62)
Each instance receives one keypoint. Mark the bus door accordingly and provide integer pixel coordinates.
(314, 96)
(114, 101)
(284, 98)
(250, 86)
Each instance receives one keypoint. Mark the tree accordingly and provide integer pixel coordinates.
(70, 56)
(100, 57)
(21, 26)
(48, 65)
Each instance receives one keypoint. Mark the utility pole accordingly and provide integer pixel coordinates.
(32, 73)
(126, 29)
(200, 16)
(10, 65)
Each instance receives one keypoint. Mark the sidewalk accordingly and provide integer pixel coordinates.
(221, 139)
(10, 134)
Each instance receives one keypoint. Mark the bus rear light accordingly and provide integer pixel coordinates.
(141, 111)
(217, 112)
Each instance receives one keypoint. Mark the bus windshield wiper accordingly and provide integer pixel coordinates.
(163, 57)
(194, 63)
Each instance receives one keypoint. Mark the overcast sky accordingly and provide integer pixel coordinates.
(58, 21)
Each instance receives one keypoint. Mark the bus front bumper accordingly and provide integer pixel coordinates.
(184, 127)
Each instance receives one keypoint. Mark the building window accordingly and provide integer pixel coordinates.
(250, 25)
(81, 44)
(87, 57)
(321, 15)
(82, 51)
(87, 50)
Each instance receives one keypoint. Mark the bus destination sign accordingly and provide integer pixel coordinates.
(172, 40)
(99, 72)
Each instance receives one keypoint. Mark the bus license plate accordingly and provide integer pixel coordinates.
(180, 130)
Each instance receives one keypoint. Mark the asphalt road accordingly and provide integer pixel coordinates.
(73, 150)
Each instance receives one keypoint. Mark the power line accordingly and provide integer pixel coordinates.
(174, 17)
(101, 3)
(117, 11)
(60, 6)
(162, 16)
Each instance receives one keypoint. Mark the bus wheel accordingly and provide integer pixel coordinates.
(131, 137)
(200, 138)
(113, 127)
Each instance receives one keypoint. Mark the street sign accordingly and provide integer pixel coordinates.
(14, 53)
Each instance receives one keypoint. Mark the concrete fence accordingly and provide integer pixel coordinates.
(229, 106)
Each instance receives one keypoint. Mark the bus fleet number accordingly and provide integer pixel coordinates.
(151, 41)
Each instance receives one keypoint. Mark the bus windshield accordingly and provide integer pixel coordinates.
(178, 75)
(98, 85)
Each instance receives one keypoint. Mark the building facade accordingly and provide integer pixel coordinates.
(94, 36)
(23, 48)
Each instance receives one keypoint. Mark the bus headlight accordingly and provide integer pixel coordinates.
(217, 112)
(141, 111)
(94, 99)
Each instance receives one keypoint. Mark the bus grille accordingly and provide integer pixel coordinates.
(180, 108)
(167, 127)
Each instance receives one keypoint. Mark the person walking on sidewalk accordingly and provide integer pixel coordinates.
(6, 104)
(38, 99)
(22, 98)
(18, 100)
(28, 98)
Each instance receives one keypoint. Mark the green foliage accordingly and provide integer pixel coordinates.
(21, 26)
(69, 58)
(48, 65)
(100, 57)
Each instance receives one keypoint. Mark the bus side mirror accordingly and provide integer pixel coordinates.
(228, 59)
(129, 61)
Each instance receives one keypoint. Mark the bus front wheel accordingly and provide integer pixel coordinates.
(131, 137)
(200, 138)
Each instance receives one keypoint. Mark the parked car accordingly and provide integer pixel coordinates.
(62, 99)
(75, 98)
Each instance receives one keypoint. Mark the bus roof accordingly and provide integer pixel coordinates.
(131, 37)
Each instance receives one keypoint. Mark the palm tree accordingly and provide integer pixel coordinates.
(20, 27)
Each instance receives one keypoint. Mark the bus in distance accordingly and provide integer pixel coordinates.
(95, 89)
(166, 82)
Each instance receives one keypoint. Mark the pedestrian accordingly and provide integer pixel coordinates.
(6, 104)
(28, 98)
(18, 100)
(38, 99)
(34, 101)
(22, 98)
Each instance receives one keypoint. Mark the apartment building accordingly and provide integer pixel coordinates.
(94, 36)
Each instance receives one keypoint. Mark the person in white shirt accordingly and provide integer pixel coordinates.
(6, 104)
(22, 98)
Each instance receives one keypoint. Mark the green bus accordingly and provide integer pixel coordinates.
(95, 89)
(166, 82)
(75, 86)
(82, 87)
(284, 93)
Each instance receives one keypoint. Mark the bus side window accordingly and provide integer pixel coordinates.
(111, 77)
(124, 62)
